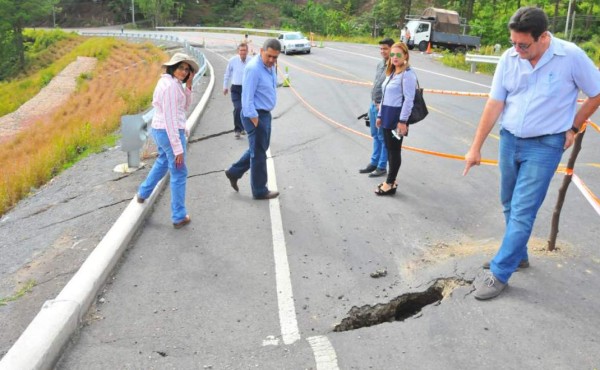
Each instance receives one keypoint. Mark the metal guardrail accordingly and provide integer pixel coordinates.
(146, 118)
(191, 50)
(476, 58)
(235, 29)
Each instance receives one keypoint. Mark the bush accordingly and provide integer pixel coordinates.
(592, 49)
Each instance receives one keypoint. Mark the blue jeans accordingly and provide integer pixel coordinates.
(379, 157)
(236, 98)
(164, 162)
(255, 158)
(526, 168)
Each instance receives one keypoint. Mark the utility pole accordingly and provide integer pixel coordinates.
(133, 12)
(568, 15)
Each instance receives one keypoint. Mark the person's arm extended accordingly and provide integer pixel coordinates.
(588, 108)
(491, 112)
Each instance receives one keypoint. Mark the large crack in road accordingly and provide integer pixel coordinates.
(400, 308)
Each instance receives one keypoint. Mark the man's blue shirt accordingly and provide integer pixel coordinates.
(542, 100)
(234, 71)
(259, 85)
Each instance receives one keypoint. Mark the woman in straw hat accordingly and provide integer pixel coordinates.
(171, 101)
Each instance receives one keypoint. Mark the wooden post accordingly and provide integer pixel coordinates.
(562, 192)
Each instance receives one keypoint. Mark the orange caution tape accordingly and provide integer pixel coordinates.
(456, 93)
(431, 91)
(342, 80)
(491, 162)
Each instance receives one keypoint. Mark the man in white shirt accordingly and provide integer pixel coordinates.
(234, 74)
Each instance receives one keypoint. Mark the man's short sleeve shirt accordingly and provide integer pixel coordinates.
(542, 100)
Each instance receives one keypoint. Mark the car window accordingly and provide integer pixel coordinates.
(423, 27)
(293, 36)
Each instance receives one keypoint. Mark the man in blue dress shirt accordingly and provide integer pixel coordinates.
(258, 99)
(234, 74)
(534, 93)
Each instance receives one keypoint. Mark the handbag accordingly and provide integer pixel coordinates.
(419, 109)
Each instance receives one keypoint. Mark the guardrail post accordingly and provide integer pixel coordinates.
(134, 129)
(473, 67)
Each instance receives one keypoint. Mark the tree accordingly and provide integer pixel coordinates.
(156, 10)
(15, 15)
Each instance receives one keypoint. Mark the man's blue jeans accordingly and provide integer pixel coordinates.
(379, 157)
(255, 158)
(526, 168)
(164, 162)
(236, 98)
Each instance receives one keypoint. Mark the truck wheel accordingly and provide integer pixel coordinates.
(460, 50)
(423, 46)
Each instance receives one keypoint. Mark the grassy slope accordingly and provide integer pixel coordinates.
(122, 83)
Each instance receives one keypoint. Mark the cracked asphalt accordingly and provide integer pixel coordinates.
(48, 235)
(205, 297)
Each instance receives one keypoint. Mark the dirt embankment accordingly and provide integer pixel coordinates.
(47, 100)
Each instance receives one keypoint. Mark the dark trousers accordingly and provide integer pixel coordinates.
(255, 158)
(393, 146)
(236, 98)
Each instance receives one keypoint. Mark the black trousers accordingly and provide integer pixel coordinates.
(394, 147)
(236, 98)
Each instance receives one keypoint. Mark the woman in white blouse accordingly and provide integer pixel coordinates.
(396, 106)
(171, 100)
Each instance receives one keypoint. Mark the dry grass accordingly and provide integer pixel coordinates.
(122, 83)
(38, 73)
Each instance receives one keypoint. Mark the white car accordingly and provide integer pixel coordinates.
(294, 42)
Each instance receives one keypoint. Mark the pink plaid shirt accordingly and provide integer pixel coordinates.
(171, 101)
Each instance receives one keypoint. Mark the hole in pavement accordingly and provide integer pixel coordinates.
(400, 308)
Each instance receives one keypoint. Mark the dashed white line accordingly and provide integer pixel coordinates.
(325, 356)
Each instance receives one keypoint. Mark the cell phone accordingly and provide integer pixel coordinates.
(395, 134)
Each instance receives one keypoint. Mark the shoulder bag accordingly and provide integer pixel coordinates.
(419, 110)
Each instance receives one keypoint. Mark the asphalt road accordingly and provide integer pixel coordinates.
(263, 284)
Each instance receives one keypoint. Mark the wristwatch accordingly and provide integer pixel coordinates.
(575, 129)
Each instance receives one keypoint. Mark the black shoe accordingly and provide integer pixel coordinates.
(232, 181)
(370, 168)
(390, 191)
(378, 172)
(269, 195)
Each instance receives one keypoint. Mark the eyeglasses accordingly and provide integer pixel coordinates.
(183, 68)
(399, 55)
(520, 45)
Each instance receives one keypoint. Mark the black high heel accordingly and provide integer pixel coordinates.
(390, 191)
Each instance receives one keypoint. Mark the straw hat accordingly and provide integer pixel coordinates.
(181, 57)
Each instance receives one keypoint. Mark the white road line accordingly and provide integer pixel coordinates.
(325, 356)
(418, 69)
(285, 298)
(584, 191)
